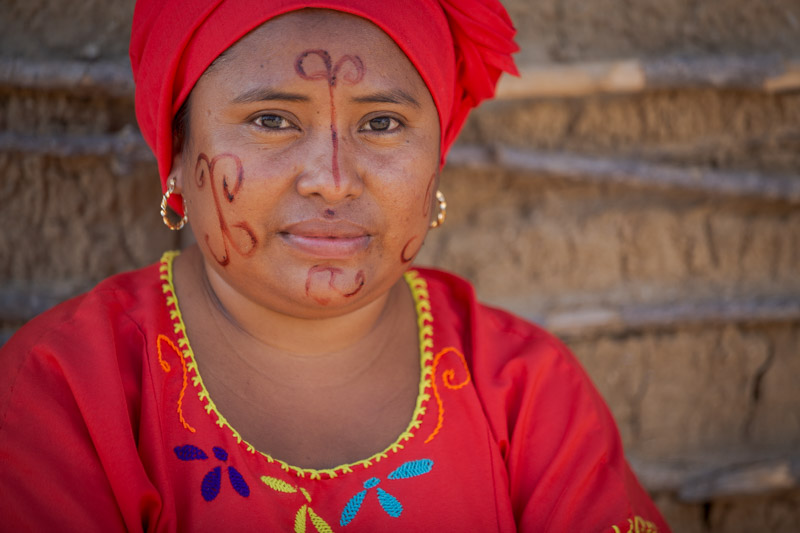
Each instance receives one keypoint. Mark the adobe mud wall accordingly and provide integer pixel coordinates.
(637, 193)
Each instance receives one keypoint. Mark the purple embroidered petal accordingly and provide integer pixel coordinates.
(187, 452)
(220, 454)
(411, 469)
(238, 482)
(389, 503)
(352, 508)
(211, 483)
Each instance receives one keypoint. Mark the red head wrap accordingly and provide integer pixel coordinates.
(459, 48)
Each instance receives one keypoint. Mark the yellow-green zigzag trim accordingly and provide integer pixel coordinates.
(419, 291)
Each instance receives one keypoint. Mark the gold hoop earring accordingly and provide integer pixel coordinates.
(174, 226)
(440, 216)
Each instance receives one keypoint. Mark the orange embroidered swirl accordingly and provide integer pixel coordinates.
(166, 367)
(448, 379)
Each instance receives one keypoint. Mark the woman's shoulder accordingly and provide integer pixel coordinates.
(512, 361)
(487, 329)
(72, 383)
(108, 318)
(115, 296)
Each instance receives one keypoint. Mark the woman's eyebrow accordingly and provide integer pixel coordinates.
(262, 94)
(394, 96)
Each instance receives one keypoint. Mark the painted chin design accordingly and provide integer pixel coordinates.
(323, 282)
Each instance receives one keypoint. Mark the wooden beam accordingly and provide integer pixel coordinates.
(588, 322)
(702, 479)
(629, 172)
(19, 303)
(112, 78)
(766, 73)
(128, 144)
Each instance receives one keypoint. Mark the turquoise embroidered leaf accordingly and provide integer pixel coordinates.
(352, 508)
(389, 503)
(412, 469)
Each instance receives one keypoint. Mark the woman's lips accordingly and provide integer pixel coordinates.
(331, 240)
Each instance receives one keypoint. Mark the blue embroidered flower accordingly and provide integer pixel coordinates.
(389, 503)
(212, 482)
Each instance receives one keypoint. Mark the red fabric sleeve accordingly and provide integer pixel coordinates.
(68, 403)
(562, 451)
(567, 470)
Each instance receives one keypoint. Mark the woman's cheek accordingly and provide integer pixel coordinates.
(427, 201)
(221, 191)
(418, 219)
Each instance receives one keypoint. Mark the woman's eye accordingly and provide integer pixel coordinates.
(381, 124)
(273, 122)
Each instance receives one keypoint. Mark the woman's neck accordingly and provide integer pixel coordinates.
(244, 322)
(292, 387)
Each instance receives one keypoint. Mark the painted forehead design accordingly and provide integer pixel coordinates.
(459, 48)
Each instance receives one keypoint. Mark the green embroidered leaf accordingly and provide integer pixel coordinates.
(318, 522)
(300, 520)
(277, 484)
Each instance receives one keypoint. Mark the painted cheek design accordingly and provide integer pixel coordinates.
(404, 258)
(333, 274)
(232, 178)
(426, 204)
(330, 73)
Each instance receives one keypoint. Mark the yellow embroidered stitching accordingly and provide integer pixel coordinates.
(166, 367)
(300, 518)
(637, 524)
(419, 291)
(447, 378)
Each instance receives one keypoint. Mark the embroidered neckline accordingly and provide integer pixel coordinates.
(419, 291)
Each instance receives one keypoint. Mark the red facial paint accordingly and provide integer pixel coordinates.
(407, 258)
(359, 282)
(316, 269)
(334, 273)
(330, 73)
(426, 206)
(205, 167)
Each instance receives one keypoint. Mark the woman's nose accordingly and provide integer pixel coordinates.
(331, 171)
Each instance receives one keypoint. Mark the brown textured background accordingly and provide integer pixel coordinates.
(653, 225)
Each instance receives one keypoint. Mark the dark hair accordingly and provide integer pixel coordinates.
(180, 126)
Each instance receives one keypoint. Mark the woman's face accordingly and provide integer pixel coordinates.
(311, 165)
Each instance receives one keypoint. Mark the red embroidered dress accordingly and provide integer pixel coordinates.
(107, 426)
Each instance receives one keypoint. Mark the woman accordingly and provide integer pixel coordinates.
(290, 371)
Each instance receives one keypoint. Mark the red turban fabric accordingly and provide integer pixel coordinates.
(459, 47)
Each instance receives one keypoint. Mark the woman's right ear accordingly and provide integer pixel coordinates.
(176, 172)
